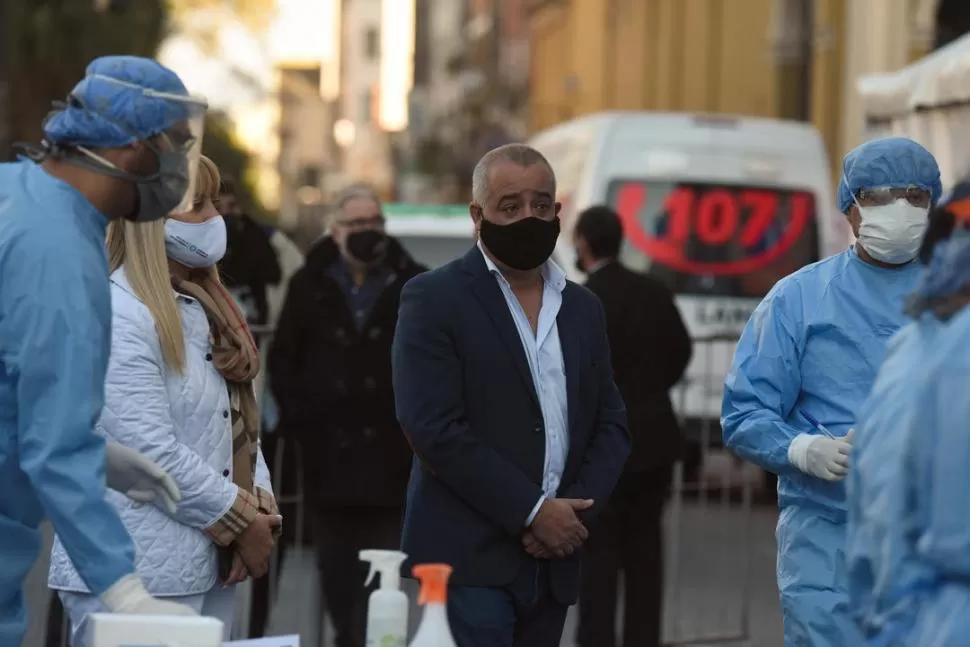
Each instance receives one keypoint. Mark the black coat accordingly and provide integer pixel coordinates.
(332, 381)
(651, 349)
(250, 262)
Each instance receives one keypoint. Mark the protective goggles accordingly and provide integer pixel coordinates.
(885, 195)
(185, 138)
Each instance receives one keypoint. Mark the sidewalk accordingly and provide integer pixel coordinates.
(709, 604)
(708, 600)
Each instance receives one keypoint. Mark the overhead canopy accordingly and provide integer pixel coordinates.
(940, 79)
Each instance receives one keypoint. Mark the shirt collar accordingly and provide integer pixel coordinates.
(598, 265)
(552, 274)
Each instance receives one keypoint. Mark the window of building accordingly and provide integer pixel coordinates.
(367, 105)
(310, 176)
(372, 43)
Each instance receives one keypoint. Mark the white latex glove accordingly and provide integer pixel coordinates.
(141, 480)
(128, 595)
(821, 456)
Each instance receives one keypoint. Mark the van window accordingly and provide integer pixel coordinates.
(434, 251)
(568, 157)
(715, 239)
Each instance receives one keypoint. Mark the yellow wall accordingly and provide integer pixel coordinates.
(827, 68)
(697, 55)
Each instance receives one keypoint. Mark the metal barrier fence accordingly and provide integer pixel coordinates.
(708, 536)
(708, 515)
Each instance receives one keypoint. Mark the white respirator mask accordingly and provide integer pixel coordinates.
(892, 233)
(196, 244)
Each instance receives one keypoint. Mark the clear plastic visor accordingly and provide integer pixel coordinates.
(185, 138)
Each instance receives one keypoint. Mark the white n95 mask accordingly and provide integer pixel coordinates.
(196, 244)
(892, 233)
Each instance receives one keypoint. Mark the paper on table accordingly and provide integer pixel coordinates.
(273, 641)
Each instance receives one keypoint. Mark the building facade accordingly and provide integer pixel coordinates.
(796, 59)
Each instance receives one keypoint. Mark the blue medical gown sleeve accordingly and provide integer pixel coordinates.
(945, 541)
(762, 387)
(49, 301)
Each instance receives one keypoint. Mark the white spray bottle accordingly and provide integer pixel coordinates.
(433, 630)
(387, 609)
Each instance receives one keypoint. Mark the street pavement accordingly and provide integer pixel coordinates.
(720, 580)
(720, 585)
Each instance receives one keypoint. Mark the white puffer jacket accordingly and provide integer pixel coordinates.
(182, 423)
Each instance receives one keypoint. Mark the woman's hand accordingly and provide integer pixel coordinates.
(239, 573)
(256, 543)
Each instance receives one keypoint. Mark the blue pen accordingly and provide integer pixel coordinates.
(818, 425)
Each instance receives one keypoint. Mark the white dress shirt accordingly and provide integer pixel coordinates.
(544, 354)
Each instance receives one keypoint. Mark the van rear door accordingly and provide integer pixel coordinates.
(720, 247)
(715, 239)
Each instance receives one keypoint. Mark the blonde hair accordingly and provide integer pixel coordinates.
(140, 247)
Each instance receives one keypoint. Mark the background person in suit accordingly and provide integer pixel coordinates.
(651, 350)
(504, 388)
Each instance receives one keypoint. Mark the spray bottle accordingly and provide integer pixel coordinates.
(387, 609)
(433, 630)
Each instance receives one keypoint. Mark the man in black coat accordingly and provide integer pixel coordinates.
(650, 348)
(330, 370)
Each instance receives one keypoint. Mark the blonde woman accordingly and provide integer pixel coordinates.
(179, 389)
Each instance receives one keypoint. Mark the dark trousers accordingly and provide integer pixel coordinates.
(56, 629)
(261, 602)
(523, 614)
(628, 536)
(339, 535)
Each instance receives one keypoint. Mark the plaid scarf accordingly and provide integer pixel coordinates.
(236, 357)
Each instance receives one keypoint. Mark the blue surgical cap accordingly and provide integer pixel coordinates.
(888, 162)
(947, 273)
(110, 108)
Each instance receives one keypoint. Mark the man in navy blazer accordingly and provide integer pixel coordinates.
(504, 388)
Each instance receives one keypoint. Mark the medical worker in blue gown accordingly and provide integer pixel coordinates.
(813, 347)
(908, 545)
(121, 147)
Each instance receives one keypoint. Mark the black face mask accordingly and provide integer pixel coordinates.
(367, 246)
(522, 245)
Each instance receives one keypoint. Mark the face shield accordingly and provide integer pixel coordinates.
(179, 148)
(106, 112)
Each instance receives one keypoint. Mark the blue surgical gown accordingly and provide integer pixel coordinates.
(55, 317)
(908, 538)
(814, 345)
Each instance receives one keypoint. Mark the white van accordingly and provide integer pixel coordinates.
(432, 234)
(719, 208)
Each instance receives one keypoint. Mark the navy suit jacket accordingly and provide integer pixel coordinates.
(467, 404)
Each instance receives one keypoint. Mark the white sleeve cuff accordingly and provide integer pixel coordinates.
(798, 451)
(535, 511)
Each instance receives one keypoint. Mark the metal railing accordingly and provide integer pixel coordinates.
(727, 521)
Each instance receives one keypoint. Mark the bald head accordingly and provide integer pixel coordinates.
(519, 155)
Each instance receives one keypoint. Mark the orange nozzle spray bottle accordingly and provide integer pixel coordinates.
(433, 630)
